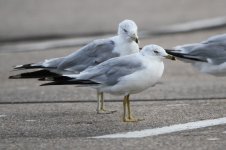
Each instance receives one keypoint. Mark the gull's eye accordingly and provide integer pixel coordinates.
(125, 30)
(156, 52)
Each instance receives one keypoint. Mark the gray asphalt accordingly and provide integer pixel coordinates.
(64, 117)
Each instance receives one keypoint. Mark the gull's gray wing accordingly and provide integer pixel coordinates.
(213, 50)
(90, 55)
(216, 39)
(50, 63)
(110, 71)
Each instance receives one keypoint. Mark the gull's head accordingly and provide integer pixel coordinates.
(156, 51)
(128, 30)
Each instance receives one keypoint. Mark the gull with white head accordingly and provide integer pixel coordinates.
(124, 75)
(94, 53)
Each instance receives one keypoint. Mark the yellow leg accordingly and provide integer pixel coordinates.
(102, 101)
(130, 118)
(100, 104)
(128, 107)
(124, 108)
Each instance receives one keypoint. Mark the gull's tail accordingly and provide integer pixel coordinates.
(177, 53)
(35, 74)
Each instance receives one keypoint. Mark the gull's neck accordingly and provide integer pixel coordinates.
(124, 38)
(125, 46)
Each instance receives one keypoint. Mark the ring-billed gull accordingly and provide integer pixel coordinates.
(98, 51)
(208, 56)
(124, 75)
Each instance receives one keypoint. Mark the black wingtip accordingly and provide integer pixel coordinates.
(69, 82)
(15, 77)
(56, 78)
(20, 67)
(42, 74)
(166, 49)
(173, 52)
(28, 66)
(177, 53)
(46, 79)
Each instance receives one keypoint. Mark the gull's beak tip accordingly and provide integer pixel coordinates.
(134, 37)
(170, 57)
(136, 40)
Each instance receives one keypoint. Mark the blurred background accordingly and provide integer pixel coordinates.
(37, 19)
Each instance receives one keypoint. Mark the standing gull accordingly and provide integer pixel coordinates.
(124, 75)
(208, 56)
(94, 53)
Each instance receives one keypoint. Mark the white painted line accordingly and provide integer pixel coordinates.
(167, 129)
(30, 120)
(1, 116)
(213, 139)
(224, 132)
(176, 105)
